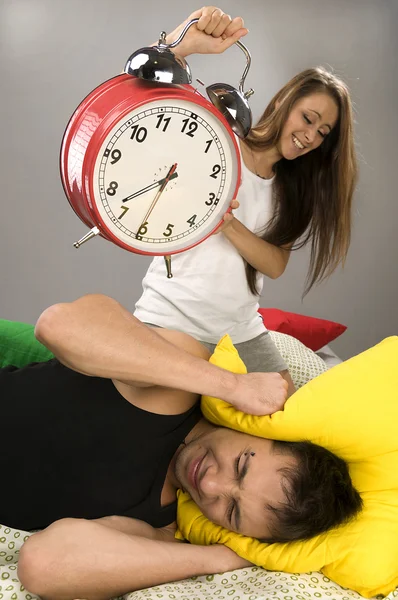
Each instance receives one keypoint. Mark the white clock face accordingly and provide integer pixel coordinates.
(164, 176)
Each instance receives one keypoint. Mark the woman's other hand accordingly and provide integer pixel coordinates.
(228, 218)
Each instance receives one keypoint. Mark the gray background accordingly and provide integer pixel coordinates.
(53, 52)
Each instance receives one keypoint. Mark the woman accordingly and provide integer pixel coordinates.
(298, 178)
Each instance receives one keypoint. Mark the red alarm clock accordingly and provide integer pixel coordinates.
(149, 165)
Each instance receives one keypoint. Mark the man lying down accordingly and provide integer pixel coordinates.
(111, 428)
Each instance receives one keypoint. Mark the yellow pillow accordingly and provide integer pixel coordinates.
(351, 410)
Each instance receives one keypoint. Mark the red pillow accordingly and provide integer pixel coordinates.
(312, 332)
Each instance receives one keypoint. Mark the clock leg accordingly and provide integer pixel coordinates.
(167, 260)
(92, 233)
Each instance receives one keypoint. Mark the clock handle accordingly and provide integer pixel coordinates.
(167, 260)
(91, 234)
(162, 39)
(245, 72)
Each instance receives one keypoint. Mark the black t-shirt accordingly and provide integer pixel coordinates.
(72, 446)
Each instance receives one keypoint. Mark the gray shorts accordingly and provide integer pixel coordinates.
(260, 354)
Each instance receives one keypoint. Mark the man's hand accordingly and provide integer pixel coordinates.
(260, 393)
(227, 559)
(212, 34)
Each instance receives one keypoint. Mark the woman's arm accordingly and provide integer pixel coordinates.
(84, 559)
(214, 33)
(263, 256)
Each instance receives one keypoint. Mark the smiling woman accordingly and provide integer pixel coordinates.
(307, 130)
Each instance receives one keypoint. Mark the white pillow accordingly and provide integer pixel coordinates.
(303, 363)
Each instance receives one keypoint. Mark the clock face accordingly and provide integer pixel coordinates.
(164, 176)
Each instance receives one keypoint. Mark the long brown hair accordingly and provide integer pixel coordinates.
(313, 193)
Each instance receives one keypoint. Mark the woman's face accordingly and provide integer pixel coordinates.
(311, 119)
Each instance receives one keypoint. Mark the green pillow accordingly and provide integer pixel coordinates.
(18, 345)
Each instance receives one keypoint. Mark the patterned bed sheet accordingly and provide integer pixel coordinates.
(252, 583)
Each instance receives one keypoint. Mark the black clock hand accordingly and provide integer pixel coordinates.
(150, 187)
(166, 180)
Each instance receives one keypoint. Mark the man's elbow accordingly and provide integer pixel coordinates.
(47, 565)
(33, 566)
(50, 324)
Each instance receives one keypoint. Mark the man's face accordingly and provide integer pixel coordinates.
(233, 477)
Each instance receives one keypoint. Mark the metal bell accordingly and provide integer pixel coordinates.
(159, 64)
(232, 103)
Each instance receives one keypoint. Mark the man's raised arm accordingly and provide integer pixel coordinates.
(97, 336)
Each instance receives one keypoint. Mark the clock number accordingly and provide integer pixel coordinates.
(216, 170)
(124, 209)
(111, 191)
(208, 144)
(169, 230)
(192, 127)
(139, 133)
(161, 118)
(191, 221)
(142, 231)
(115, 156)
(209, 202)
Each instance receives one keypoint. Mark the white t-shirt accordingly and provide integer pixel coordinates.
(208, 294)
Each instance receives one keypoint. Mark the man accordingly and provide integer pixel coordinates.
(112, 428)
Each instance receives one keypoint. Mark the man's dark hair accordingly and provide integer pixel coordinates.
(319, 493)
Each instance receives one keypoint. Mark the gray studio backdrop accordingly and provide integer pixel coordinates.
(53, 52)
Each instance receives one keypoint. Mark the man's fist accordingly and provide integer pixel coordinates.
(260, 393)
